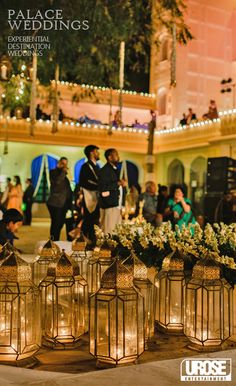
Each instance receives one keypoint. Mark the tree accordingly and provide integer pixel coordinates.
(89, 56)
(170, 15)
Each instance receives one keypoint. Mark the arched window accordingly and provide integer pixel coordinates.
(162, 99)
(40, 168)
(130, 171)
(197, 181)
(176, 173)
(164, 49)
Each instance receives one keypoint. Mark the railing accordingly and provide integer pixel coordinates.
(132, 139)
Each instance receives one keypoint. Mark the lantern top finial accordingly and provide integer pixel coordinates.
(117, 276)
(63, 267)
(14, 268)
(49, 251)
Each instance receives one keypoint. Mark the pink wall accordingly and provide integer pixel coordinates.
(209, 58)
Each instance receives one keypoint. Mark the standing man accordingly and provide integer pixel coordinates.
(28, 201)
(110, 191)
(89, 184)
(60, 198)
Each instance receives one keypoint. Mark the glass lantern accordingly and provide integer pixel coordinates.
(47, 254)
(64, 304)
(117, 318)
(141, 281)
(208, 307)
(101, 260)
(81, 254)
(20, 319)
(169, 284)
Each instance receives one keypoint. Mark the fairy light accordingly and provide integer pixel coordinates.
(103, 88)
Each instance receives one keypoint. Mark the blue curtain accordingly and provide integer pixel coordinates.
(35, 169)
(52, 162)
(132, 171)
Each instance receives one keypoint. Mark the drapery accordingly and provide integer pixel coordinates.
(37, 168)
(129, 171)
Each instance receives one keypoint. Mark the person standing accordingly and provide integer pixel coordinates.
(5, 195)
(15, 195)
(28, 201)
(60, 198)
(89, 184)
(110, 192)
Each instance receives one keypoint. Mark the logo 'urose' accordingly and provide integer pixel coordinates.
(215, 369)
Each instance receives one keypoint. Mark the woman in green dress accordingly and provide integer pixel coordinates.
(179, 209)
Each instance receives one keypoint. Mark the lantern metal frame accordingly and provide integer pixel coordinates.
(147, 289)
(208, 308)
(64, 304)
(20, 319)
(169, 283)
(116, 318)
(97, 265)
(48, 253)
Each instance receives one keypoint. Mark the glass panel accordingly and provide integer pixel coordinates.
(175, 301)
(102, 328)
(130, 327)
(116, 329)
(64, 311)
(92, 325)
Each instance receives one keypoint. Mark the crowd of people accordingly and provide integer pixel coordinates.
(98, 199)
(101, 194)
(191, 116)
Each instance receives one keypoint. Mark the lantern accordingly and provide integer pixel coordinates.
(208, 309)
(81, 255)
(141, 281)
(116, 318)
(169, 284)
(20, 321)
(47, 254)
(64, 303)
(97, 265)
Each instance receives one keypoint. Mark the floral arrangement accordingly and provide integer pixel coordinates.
(152, 245)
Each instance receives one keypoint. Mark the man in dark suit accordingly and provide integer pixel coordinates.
(89, 183)
(28, 201)
(110, 192)
(60, 199)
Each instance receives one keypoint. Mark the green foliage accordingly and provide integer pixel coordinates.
(17, 93)
(90, 56)
(170, 12)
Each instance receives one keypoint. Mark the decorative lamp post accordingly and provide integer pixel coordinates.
(47, 254)
(20, 321)
(169, 284)
(97, 266)
(81, 254)
(116, 318)
(64, 304)
(208, 307)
